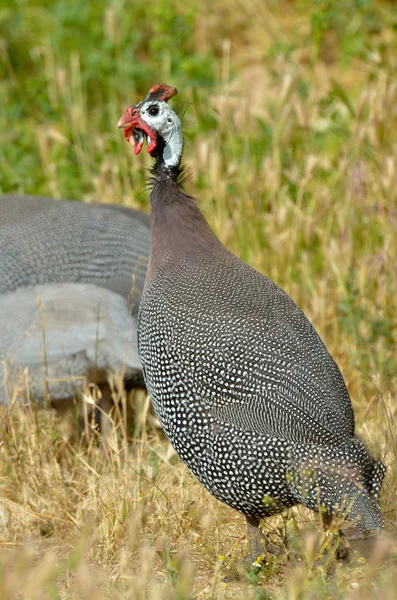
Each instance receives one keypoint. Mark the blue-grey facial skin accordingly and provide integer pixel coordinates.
(167, 124)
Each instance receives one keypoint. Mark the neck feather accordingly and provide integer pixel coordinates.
(178, 228)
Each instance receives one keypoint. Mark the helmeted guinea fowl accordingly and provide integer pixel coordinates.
(67, 270)
(242, 384)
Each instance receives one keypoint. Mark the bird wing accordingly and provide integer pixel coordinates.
(254, 358)
(48, 241)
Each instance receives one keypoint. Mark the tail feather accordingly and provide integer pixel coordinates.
(339, 480)
(364, 512)
(375, 480)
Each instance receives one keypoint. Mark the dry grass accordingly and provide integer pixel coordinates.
(123, 518)
(291, 144)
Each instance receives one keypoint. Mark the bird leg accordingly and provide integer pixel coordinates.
(254, 534)
(342, 550)
(258, 542)
(258, 546)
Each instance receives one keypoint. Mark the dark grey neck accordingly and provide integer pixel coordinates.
(178, 229)
(163, 174)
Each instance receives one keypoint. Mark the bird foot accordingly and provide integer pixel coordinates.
(369, 546)
(335, 548)
(253, 562)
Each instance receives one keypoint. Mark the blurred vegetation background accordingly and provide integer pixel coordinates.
(290, 139)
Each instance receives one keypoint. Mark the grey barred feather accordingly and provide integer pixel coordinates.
(68, 272)
(47, 241)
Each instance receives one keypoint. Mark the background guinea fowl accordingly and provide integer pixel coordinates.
(240, 381)
(66, 273)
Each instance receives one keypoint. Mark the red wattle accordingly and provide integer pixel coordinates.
(152, 145)
(137, 147)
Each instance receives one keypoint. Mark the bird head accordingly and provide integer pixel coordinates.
(154, 119)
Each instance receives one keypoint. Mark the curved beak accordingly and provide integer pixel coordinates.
(127, 118)
(134, 128)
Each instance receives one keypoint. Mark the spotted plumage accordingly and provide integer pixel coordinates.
(242, 384)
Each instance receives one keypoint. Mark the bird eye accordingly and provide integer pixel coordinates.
(153, 111)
